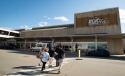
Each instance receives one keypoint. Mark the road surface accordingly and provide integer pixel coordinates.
(10, 59)
(15, 63)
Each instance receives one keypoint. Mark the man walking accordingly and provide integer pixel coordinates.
(59, 56)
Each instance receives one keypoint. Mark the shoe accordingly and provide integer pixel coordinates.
(42, 69)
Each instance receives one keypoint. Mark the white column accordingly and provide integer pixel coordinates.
(53, 42)
(72, 44)
(25, 44)
(30, 45)
(96, 42)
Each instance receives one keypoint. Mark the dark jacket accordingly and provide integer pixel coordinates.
(51, 53)
(60, 53)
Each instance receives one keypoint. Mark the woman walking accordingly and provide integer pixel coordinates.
(44, 58)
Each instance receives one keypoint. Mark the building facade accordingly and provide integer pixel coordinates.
(91, 30)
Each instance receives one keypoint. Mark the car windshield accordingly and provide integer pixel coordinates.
(41, 45)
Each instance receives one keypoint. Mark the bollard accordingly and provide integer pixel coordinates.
(79, 55)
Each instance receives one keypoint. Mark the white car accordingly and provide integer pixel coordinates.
(39, 47)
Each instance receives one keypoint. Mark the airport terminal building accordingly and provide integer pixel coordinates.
(94, 29)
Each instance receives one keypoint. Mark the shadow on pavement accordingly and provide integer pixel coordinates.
(32, 70)
(26, 67)
(32, 73)
(117, 58)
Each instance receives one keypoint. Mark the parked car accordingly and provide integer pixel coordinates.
(39, 47)
(98, 53)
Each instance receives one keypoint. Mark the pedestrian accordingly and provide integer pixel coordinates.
(59, 56)
(44, 58)
(51, 53)
(38, 54)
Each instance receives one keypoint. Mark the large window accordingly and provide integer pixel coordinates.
(100, 45)
(14, 34)
(4, 32)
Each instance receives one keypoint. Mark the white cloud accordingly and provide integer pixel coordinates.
(43, 23)
(46, 21)
(122, 19)
(61, 18)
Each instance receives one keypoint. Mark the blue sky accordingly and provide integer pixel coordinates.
(16, 14)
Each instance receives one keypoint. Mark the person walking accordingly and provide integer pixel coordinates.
(44, 58)
(38, 56)
(59, 56)
(51, 53)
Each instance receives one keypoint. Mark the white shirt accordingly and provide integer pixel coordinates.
(45, 56)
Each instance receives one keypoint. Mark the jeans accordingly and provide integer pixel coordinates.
(44, 64)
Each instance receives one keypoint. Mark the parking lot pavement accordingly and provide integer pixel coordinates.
(12, 58)
(36, 70)
(93, 67)
(18, 64)
(15, 62)
(84, 67)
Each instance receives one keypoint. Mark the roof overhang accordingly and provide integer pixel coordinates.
(6, 36)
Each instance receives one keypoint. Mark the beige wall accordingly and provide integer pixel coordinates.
(110, 16)
(47, 33)
(115, 46)
(81, 27)
(112, 26)
(83, 21)
(124, 43)
(99, 30)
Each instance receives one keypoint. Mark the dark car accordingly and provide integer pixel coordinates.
(98, 53)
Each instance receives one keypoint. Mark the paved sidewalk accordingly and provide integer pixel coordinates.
(36, 70)
(93, 67)
(25, 64)
(85, 67)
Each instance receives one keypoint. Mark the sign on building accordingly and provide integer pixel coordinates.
(96, 21)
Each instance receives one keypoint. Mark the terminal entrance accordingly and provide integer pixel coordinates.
(83, 46)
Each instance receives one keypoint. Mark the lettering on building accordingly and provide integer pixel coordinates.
(96, 21)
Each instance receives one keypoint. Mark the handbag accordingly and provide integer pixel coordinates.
(38, 55)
